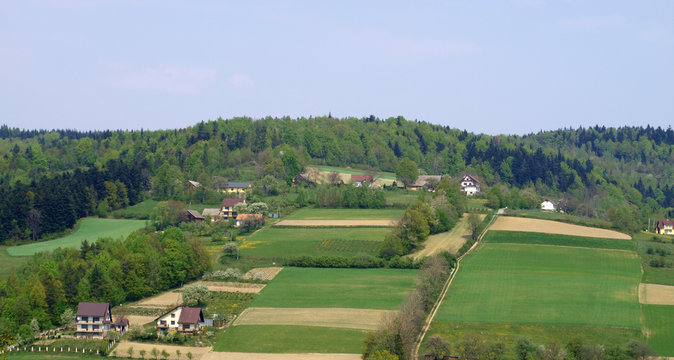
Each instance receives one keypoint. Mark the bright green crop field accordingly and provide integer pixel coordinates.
(345, 214)
(530, 284)
(659, 319)
(290, 339)
(286, 242)
(331, 288)
(89, 229)
(519, 237)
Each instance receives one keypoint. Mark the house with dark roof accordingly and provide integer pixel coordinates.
(470, 185)
(227, 207)
(428, 181)
(92, 320)
(181, 319)
(213, 213)
(193, 215)
(121, 324)
(237, 188)
(665, 227)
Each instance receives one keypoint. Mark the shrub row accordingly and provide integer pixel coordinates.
(359, 261)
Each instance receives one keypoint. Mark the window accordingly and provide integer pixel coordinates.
(186, 326)
(85, 318)
(83, 327)
(95, 327)
(173, 322)
(173, 315)
(96, 319)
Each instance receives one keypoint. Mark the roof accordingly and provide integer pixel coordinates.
(121, 321)
(662, 223)
(195, 214)
(238, 184)
(194, 183)
(190, 315)
(211, 212)
(92, 309)
(245, 216)
(227, 202)
(471, 178)
(550, 201)
(361, 178)
(423, 179)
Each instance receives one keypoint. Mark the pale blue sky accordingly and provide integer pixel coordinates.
(486, 66)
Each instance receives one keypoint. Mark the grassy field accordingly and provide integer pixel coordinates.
(401, 198)
(89, 229)
(285, 242)
(345, 288)
(380, 174)
(659, 319)
(477, 204)
(142, 210)
(519, 237)
(345, 214)
(290, 339)
(531, 284)
(656, 275)
(9, 262)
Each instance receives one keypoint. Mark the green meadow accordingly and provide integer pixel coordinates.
(88, 229)
(286, 242)
(290, 339)
(520, 237)
(337, 288)
(345, 214)
(659, 320)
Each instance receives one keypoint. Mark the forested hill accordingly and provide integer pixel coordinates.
(626, 172)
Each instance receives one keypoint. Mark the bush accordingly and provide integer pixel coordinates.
(195, 294)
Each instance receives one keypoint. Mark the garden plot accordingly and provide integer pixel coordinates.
(553, 227)
(365, 319)
(218, 286)
(266, 273)
(123, 347)
(656, 294)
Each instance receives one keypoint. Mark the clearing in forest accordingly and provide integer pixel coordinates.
(509, 223)
(365, 319)
(450, 241)
(656, 294)
(89, 229)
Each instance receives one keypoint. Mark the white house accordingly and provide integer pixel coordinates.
(548, 205)
(93, 320)
(470, 185)
(180, 319)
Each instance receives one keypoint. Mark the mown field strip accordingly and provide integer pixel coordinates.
(273, 356)
(448, 241)
(509, 223)
(345, 214)
(123, 347)
(656, 294)
(365, 319)
(336, 223)
(535, 238)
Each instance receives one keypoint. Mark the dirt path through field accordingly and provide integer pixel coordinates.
(450, 241)
(656, 294)
(264, 356)
(222, 286)
(365, 319)
(509, 223)
(336, 223)
(197, 352)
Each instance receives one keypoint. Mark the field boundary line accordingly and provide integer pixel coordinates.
(445, 289)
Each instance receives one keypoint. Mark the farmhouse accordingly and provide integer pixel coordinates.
(358, 180)
(193, 215)
(181, 319)
(425, 180)
(238, 188)
(227, 207)
(470, 185)
(93, 320)
(213, 213)
(548, 205)
(257, 218)
(665, 227)
(121, 325)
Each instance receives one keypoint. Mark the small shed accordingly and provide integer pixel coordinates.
(193, 215)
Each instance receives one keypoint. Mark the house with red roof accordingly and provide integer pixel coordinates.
(92, 320)
(227, 207)
(358, 180)
(665, 227)
(182, 319)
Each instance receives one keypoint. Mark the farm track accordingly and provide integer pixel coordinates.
(450, 241)
(508, 223)
(336, 223)
(365, 319)
(265, 356)
(445, 289)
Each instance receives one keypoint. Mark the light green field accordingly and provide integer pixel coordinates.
(9, 262)
(401, 198)
(531, 284)
(142, 210)
(520, 237)
(659, 320)
(89, 229)
(290, 339)
(286, 242)
(656, 275)
(331, 288)
(383, 175)
(345, 214)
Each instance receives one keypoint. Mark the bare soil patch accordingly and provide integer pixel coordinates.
(219, 286)
(162, 300)
(656, 294)
(509, 223)
(450, 241)
(266, 273)
(139, 319)
(263, 356)
(197, 352)
(338, 223)
(365, 319)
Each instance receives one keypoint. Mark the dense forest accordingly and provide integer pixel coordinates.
(49, 179)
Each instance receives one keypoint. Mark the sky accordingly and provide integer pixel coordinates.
(511, 66)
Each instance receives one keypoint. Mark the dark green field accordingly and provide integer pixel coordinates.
(290, 339)
(345, 288)
(519, 237)
(286, 242)
(345, 214)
